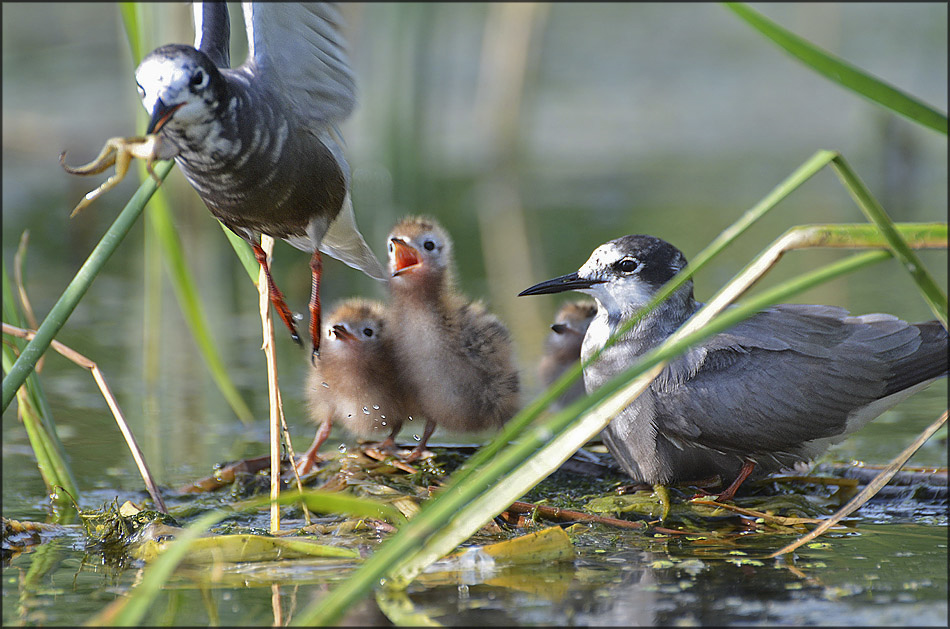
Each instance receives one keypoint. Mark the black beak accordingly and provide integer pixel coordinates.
(571, 281)
(160, 115)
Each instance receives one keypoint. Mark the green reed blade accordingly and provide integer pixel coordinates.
(467, 483)
(932, 294)
(77, 288)
(842, 72)
(38, 421)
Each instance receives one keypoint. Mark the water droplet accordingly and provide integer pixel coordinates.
(410, 418)
(365, 411)
(375, 407)
(384, 423)
(463, 592)
(349, 415)
(382, 417)
(324, 385)
(342, 448)
(417, 437)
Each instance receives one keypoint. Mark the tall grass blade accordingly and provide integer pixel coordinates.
(934, 296)
(50, 460)
(131, 609)
(244, 253)
(515, 428)
(160, 220)
(532, 467)
(870, 490)
(842, 72)
(517, 424)
(11, 314)
(37, 420)
(132, 18)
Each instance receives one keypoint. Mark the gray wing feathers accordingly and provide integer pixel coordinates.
(298, 49)
(773, 389)
(929, 361)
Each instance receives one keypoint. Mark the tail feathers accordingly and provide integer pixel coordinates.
(344, 242)
(929, 361)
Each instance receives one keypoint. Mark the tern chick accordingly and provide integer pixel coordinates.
(356, 383)
(455, 354)
(772, 391)
(562, 348)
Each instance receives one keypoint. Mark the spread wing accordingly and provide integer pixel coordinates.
(783, 377)
(298, 50)
(213, 31)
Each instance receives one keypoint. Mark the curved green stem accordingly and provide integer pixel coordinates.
(68, 301)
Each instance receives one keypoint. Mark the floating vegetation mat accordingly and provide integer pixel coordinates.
(585, 497)
(569, 529)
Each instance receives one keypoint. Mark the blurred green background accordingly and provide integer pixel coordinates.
(533, 132)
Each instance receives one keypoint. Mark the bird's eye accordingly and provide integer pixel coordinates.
(627, 265)
(199, 79)
(428, 245)
(390, 246)
(368, 332)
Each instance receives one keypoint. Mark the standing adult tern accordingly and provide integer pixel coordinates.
(772, 391)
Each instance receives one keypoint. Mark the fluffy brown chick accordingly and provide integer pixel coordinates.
(455, 355)
(355, 383)
(562, 348)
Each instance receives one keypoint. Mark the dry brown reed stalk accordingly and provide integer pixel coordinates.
(124, 428)
(873, 487)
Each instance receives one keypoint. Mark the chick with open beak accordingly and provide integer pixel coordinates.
(455, 355)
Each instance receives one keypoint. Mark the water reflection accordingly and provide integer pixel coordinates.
(873, 575)
(671, 586)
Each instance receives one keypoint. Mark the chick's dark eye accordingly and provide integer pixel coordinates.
(198, 78)
(627, 265)
(428, 245)
(368, 332)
